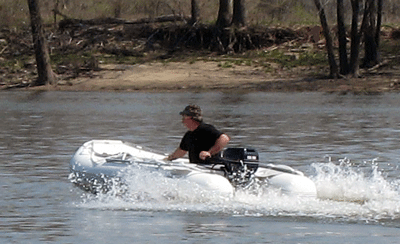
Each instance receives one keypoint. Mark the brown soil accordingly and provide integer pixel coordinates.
(208, 76)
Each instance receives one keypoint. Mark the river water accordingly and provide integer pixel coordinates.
(348, 145)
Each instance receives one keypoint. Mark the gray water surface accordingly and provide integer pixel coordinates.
(348, 145)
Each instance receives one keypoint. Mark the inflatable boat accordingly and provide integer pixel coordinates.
(99, 164)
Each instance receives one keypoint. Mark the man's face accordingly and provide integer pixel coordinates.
(185, 120)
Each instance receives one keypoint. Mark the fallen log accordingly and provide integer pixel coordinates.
(70, 22)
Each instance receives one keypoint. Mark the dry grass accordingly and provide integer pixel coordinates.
(14, 13)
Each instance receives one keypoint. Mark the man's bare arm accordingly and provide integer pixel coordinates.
(177, 154)
(220, 143)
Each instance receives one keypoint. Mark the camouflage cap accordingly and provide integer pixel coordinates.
(193, 111)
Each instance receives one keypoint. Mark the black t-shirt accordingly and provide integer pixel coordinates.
(201, 139)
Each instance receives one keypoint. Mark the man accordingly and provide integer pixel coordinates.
(201, 140)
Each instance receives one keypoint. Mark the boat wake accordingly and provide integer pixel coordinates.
(350, 182)
(346, 192)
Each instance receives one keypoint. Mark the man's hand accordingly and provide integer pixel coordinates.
(204, 154)
(175, 155)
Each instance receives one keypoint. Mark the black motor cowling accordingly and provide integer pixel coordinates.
(240, 165)
(240, 154)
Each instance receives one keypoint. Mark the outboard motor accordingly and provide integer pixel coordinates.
(240, 166)
(240, 153)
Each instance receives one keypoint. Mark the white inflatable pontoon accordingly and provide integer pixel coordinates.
(99, 163)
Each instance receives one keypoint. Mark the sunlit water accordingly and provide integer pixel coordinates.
(348, 145)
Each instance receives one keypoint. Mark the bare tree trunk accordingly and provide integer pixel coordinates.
(117, 4)
(355, 39)
(239, 13)
(55, 11)
(371, 35)
(224, 14)
(329, 44)
(344, 64)
(45, 73)
(195, 12)
(370, 28)
(379, 22)
(370, 48)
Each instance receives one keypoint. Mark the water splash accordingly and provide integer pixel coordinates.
(351, 182)
(346, 191)
(145, 189)
(356, 191)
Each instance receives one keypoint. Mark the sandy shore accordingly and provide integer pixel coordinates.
(206, 76)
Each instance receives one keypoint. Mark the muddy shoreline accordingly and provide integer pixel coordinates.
(209, 76)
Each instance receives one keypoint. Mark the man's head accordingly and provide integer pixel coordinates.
(193, 111)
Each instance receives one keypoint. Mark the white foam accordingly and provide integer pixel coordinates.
(345, 192)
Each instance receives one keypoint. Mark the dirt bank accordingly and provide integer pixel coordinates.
(207, 76)
(155, 69)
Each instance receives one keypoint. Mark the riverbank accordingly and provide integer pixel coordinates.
(290, 63)
(212, 76)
